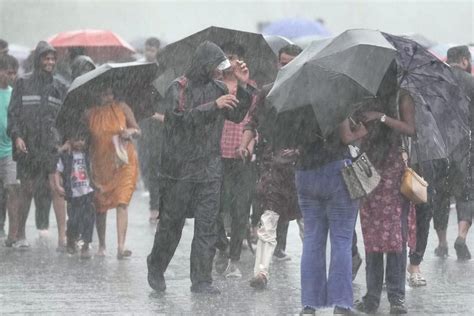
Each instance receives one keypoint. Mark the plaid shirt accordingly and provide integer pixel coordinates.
(232, 137)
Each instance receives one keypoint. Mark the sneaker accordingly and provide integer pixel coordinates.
(356, 263)
(205, 288)
(343, 311)
(259, 281)
(156, 280)
(222, 262)
(308, 311)
(363, 307)
(280, 255)
(441, 251)
(21, 244)
(461, 249)
(416, 280)
(398, 309)
(232, 271)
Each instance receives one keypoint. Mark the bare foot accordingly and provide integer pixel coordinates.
(413, 269)
(101, 252)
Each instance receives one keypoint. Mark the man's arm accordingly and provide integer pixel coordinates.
(14, 114)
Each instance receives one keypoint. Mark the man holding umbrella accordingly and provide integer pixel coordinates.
(190, 164)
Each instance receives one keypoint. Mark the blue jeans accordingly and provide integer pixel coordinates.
(327, 207)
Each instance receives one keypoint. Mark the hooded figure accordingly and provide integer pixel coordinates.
(191, 167)
(36, 99)
(81, 65)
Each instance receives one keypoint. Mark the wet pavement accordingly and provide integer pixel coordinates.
(42, 281)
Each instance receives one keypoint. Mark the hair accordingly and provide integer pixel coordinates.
(290, 49)
(233, 48)
(76, 51)
(3, 44)
(153, 42)
(457, 53)
(8, 62)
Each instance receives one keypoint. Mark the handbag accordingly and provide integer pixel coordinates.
(360, 177)
(413, 186)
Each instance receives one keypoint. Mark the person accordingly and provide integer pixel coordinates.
(3, 47)
(459, 57)
(114, 163)
(36, 99)
(387, 217)
(238, 181)
(275, 193)
(10, 185)
(190, 163)
(73, 182)
(152, 46)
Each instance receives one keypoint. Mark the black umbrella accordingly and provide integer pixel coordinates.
(176, 57)
(441, 108)
(131, 83)
(333, 77)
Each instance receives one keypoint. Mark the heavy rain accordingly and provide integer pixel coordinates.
(236, 157)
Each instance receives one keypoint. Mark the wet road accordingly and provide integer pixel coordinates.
(42, 281)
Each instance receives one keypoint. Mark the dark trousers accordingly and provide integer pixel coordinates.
(238, 186)
(81, 217)
(354, 249)
(177, 200)
(154, 186)
(282, 233)
(3, 206)
(395, 271)
(42, 199)
(436, 173)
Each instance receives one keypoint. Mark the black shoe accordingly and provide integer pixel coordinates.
(398, 308)
(356, 263)
(280, 255)
(259, 282)
(343, 311)
(308, 311)
(204, 288)
(362, 306)
(441, 252)
(156, 280)
(461, 249)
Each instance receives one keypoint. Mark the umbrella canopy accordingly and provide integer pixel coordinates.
(100, 45)
(176, 57)
(296, 27)
(441, 108)
(130, 81)
(420, 39)
(277, 42)
(333, 76)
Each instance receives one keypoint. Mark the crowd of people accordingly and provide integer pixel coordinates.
(208, 153)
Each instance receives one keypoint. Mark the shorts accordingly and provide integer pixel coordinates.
(8, 172)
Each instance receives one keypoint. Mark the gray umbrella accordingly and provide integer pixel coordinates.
(176, 57)
(333, 76)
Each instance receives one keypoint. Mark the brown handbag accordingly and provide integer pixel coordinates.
(413, 186)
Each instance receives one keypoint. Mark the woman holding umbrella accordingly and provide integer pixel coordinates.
(114, 163)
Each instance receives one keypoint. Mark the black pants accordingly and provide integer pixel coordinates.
(282, 233)
(42, 199)
(436, 173)
(81, 217)
(3, 206)
(395, 273)
(238, 188)
(177, 200)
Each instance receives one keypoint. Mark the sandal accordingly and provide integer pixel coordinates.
(124, 254)
(416, 280)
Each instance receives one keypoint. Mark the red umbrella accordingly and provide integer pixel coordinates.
(100, 45)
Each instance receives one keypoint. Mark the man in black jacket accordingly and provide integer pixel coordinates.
(459, 58)
(191, 166)
(35, 102)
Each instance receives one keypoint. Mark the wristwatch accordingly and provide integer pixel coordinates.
(383, 118)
